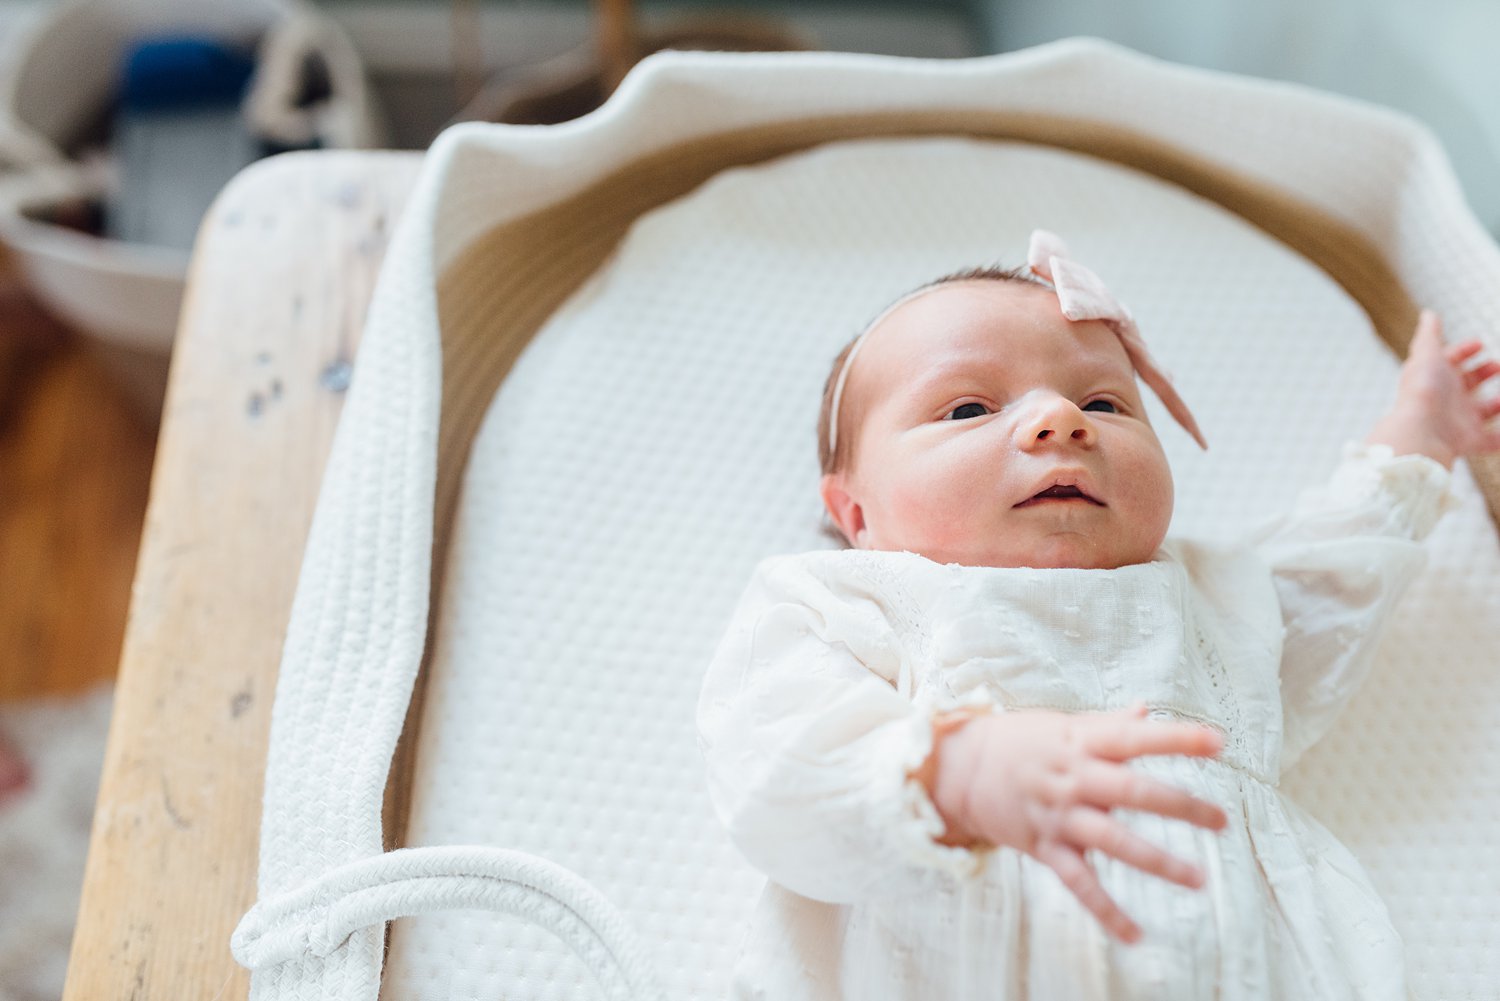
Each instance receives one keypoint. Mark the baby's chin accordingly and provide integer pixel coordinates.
(1051, 555)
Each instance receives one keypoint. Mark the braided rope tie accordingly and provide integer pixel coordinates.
(318, 917)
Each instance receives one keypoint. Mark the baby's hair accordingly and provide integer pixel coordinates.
(831, 460)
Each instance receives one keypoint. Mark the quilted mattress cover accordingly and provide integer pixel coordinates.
(662, 287)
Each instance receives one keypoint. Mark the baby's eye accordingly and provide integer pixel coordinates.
(1101, 406)
(967, 411)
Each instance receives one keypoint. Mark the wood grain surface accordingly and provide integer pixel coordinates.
(75, 461)
(281, 277)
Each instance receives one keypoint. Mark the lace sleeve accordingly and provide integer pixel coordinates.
(1339, 562)
(810, 735)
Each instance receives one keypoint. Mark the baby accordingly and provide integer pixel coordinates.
(956, 747)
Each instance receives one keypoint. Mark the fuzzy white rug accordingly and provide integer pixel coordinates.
(44, 836)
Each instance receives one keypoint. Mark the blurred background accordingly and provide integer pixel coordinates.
(120, 120)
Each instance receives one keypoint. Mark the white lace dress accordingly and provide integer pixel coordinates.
(818, 703)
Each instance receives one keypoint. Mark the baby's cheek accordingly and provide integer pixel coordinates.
(1148, 501)
(913, 511)
(933, 515)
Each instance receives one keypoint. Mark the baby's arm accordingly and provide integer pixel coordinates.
(1438, 411)
(1342, 557)
(810, 736)
(1044, 783)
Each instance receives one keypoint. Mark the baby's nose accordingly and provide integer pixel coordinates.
(1053, 420)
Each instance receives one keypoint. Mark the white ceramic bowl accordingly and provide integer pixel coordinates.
(60, 70)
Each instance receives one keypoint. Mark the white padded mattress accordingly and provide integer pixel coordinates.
(657, 440)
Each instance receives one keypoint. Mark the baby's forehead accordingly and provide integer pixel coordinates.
(978, 318)
(976, 323)
(983, 304)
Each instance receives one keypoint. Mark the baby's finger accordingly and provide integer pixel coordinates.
(1087, 828)
(1108, 786)
(1462, 352)
(1480, 373)
(1428, 335)
(1122, 735)
(1079, 877)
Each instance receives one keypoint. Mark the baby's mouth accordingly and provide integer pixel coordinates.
(1060, 492)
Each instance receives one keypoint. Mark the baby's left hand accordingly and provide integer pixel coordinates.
(1439, 412)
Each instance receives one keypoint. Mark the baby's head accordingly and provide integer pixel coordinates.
(978, 425)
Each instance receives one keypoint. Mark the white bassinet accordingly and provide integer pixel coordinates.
(665, 283)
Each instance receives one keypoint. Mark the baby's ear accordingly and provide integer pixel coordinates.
(842, 507)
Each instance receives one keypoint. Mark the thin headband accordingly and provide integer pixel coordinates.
(1081, 295)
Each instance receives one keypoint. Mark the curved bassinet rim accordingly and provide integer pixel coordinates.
(498, 288)
(497, 294)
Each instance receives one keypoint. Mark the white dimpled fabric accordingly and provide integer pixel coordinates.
(657, 440)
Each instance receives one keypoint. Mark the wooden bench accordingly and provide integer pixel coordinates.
(281, 277)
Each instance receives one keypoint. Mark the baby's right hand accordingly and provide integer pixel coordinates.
(1044, 783)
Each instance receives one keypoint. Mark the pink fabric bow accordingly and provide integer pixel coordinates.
(1082, 295)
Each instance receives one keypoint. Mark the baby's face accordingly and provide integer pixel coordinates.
(989, 430)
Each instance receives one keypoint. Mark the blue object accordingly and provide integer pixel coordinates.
(179, 72)
(178, 137)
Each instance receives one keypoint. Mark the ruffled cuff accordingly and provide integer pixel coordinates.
(1413, 490)
(919, 825)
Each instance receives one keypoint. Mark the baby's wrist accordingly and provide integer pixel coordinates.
(1407, 431)
(949, 773)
